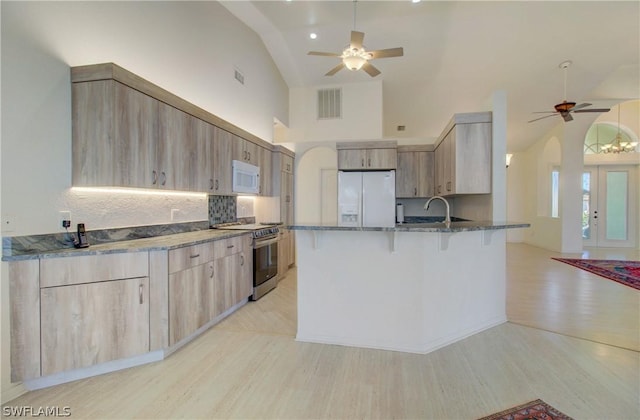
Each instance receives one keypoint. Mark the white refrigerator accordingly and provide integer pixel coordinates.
(367, 199)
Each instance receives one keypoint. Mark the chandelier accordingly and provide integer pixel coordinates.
(618, 145)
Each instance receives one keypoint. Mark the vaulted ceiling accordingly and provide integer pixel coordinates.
(456, 54)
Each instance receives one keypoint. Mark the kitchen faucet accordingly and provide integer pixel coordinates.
(447, 220)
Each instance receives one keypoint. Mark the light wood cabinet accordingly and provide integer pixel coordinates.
(415, 176)
(283, 253)
(463, 156)
(191, 298)
(233, 281)
(283, 183)
(115, 131)
(86, 324)
(221, 157)
(266, 173)
(206, 280)
(245, 151)
(367, 156)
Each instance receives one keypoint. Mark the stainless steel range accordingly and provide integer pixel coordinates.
(265, 255)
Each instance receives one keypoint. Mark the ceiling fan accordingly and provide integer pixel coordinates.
(565, 108)
(355, 57)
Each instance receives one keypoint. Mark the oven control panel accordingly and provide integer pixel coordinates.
(268, 231)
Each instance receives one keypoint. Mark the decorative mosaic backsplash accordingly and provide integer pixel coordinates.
(222, 209)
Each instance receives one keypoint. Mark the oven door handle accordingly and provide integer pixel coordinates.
(264, 243)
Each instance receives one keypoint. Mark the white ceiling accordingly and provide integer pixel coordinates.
(456, 54)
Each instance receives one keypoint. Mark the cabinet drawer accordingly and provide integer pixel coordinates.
(226, 247)
(93, 268)
(190, 256)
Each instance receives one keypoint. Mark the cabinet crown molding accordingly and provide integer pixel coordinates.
(350, 145)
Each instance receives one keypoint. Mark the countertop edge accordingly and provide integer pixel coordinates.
(157, 243)
(419, 227)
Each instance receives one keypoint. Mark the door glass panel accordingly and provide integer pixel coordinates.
(616, 205)
(586, 202)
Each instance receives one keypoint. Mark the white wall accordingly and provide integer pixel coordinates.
(361, 114)
(188, 48)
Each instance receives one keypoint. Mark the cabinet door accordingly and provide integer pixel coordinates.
(226, 271)
(407, 175)
(176, 152)
(286, 163)
(191, 297)
(471, 171)
(425, 174)
(283, 254)
(222, 156)
(448, 167)
(136, 136)
(114, 135)
(286, 198)
(203, 172)
(244, 282)
(381, 159)
(351, 159)
(86, 324)
(265, 171)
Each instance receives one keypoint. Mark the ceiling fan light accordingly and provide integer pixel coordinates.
(353, 62)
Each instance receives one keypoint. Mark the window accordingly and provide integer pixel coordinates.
(555, 191)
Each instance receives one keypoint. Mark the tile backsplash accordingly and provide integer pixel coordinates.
(222, 209)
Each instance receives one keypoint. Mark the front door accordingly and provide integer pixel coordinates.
(610, 215)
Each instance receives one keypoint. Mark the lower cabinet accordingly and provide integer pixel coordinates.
(191, 297)
(76, 312)
(86, 324)
(204, 291)
(286, 252)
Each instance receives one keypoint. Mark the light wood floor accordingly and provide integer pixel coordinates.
(250, 366)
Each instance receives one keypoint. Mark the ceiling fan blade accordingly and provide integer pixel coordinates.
(370, 69)
(356, 39)
(546, 116)
(577, 107)
(594, 110)
(567, 116)
(389, 52)
(326, 54)
(335, 69)
(544, 112)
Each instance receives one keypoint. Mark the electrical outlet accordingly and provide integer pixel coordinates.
(65, 219)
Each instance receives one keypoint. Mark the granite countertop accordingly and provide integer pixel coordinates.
(462, 226)
(156, 243)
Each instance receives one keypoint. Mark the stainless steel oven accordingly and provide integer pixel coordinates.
(265, 265)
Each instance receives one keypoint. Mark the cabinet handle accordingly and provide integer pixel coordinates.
(155, 177)
(212, 271)
(216, 185)
(244, 155)
(415, 191)
(439, 189)
(140, 289)
(362, 164)
(230, 246)
(194, 256)
(369, 162)
(449, 186)
(241, 260)
(249, 154)
(211, 183)
(164, 178)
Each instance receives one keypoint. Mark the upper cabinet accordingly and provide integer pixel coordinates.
(365, 156)
(282, 182)
(415, 176)
(128, 132)
(463, 155)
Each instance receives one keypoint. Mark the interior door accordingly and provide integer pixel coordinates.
(610, 214)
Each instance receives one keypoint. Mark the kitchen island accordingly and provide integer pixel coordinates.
(412, 288)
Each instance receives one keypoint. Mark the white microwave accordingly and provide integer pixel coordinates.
(246, 178)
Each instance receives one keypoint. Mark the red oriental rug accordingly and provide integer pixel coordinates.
(625, 272)
(533, 410)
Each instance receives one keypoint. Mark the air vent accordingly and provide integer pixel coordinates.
(239, 76)
(329, 103)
